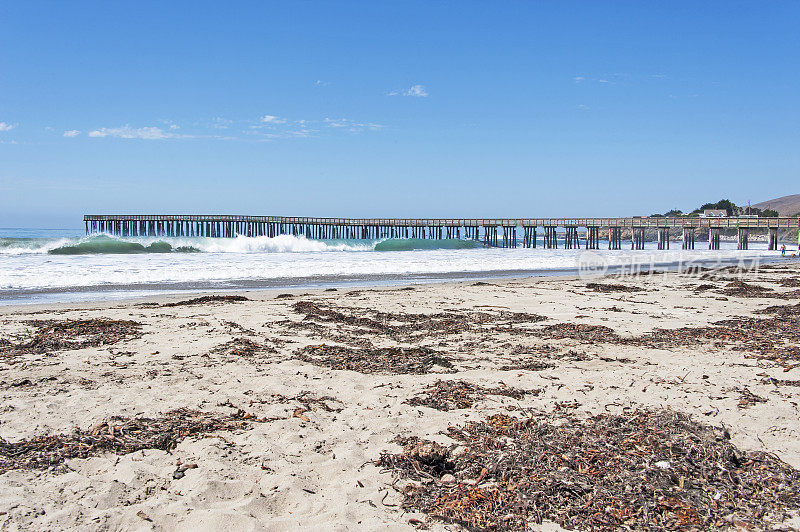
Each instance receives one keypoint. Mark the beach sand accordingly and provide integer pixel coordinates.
(305, 454)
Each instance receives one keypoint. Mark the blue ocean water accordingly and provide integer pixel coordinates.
(64, 265)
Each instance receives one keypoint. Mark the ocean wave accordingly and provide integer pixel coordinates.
(113, 245)
(411, 244)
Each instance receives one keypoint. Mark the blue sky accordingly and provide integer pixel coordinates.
(394, 108)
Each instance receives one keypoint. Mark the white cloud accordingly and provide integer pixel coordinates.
(350, 125)
(5, 126)
(72, 133)
(127, 132)
(269, 119)
(221, 123)
(338, 122)
(612, 79)
(418, 91)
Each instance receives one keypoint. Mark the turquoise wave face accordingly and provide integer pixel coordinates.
(106, 245)
(410, 244)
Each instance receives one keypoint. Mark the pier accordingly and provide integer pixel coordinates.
(485, 230)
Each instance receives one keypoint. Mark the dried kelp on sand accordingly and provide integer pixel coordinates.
(643, 470)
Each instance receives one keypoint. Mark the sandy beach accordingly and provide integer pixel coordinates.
(290, 399)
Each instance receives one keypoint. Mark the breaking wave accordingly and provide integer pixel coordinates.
(114, 245)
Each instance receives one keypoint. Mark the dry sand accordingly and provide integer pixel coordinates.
(313, 468)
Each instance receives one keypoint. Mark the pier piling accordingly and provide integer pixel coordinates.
(688, 238)
(713, 238)
(663, 238)
(772, 239)
(638, 238)
(742, 234)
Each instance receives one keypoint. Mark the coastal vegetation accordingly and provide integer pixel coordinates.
(726, 205)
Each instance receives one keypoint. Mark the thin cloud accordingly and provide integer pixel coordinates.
(259, 128)
(349, 125)
(320, 83)
(127, 132)
(418, 91)
(221, 123)
(611, 79)
(5, 126)
(270, 119)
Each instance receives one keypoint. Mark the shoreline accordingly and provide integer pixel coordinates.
(121, 293)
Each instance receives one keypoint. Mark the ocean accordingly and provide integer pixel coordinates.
(43, 266)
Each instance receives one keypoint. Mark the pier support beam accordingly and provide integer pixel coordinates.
(742, 235)
(663, 238)
(490, 236)
(509, 236)
(772, 238)
(550, 240)
(713, 238)
(529, 236)
(688, 238)
(614, 238)
(592, 238)
(637, 238)
(571, 240)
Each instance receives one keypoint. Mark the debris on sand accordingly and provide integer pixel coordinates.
(54, 335)
(310, 403)
(742, 289)
(642, 470)
(748, 398)
(321, 313)
(608, 287)
(119, 436)
(780, 382)
(790, 282)
(582, 332)
(527, 364)
(528, 358)
(703, 287)
(450, 395)
(206, 299)
(539, 357)
(386, 360)
(401, 326)
(243, 347)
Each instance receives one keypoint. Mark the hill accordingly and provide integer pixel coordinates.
(786, 205)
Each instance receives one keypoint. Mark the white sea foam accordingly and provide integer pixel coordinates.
(278, 244)
(266, 262)
(105, 243)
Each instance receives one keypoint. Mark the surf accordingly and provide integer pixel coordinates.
(106, 244)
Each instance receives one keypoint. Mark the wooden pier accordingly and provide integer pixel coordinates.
(484, 230)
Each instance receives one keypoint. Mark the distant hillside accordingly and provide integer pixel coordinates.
(786, 206)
